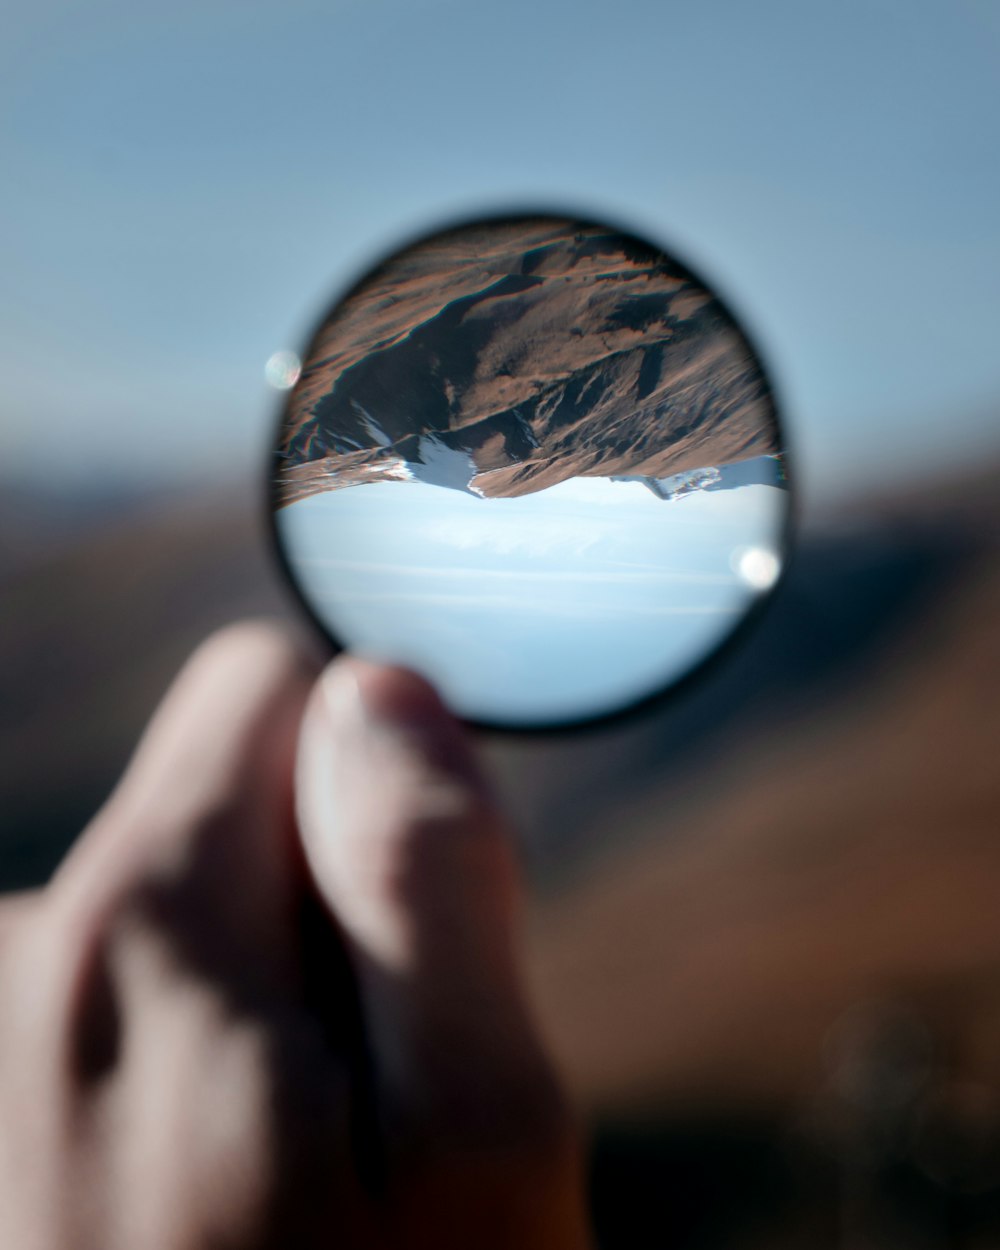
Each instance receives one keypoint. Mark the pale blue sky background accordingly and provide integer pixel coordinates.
(570, 602)
(181, 190)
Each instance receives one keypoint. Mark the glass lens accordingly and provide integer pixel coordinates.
(536, 460)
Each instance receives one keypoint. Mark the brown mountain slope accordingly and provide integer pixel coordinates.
(543, 349)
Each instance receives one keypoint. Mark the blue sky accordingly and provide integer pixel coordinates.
(569, 602)
(183, 190)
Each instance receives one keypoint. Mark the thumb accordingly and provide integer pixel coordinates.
(414, 860)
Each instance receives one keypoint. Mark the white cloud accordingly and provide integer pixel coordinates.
(543, 606)
(609, 575)
(530, 536)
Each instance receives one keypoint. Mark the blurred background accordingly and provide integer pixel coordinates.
(764, 934)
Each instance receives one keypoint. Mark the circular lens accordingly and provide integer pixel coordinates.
(536, 460)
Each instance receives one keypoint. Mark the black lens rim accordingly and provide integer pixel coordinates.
(715, 655)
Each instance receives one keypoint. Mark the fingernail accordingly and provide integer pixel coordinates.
(342, 692)
(382, 697)
(398, 711)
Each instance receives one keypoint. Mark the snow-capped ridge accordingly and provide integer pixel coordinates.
(440, 465)
(677, 485)
(755, 471)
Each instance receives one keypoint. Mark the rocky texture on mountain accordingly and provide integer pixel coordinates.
(541, 350)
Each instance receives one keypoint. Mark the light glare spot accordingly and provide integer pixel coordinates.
(757, 566)
(282, 370)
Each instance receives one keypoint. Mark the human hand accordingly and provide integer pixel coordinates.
(275, 1002)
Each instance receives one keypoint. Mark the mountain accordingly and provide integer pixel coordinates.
(440, 463)
(757, 471)
(539, 349)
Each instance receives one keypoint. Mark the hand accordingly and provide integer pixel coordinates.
(272, 1001)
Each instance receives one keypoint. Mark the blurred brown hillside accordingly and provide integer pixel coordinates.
(765, 925)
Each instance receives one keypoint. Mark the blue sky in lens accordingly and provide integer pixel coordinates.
(567, 602)
(185, 185)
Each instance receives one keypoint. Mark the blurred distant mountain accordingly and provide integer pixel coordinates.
(535, 351)
(95, 620)
(100, 612)
(38, 518)
(794, 858)
(867, 695)
(813, 825)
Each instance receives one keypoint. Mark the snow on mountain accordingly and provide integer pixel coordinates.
(439, 465)
(677, 485)
(371, 426)
(573, 352)
(756, 471)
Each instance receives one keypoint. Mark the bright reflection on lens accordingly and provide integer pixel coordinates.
(282, 370)
(757, 566)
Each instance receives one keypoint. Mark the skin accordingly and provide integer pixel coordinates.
(273, 997)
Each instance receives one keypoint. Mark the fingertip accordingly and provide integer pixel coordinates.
(366, 699)
(395, 813)
(383, 693)
(198, 841)
(221, 744)
(263, 649)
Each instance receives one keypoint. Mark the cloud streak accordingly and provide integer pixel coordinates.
(574, 608)
(634, 576)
